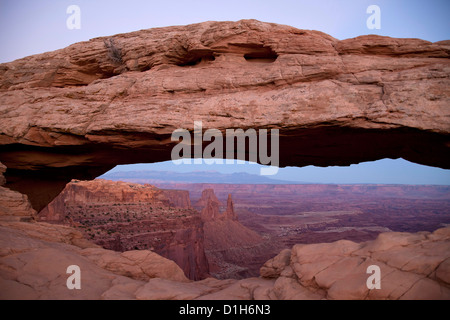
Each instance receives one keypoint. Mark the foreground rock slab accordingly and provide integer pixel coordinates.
(34, 258)
(412, 266)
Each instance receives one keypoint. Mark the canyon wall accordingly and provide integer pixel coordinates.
(233, 250)
(14, 206)
(123, 216)
(315, 213)
(178, 198)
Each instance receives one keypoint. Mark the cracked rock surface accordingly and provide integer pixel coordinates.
(34, 258)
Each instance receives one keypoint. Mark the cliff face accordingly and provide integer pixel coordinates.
(123, 216)
(13, 205)
(77, 112)
(230, 214)
(34, 257)
(178, 198)
(232, 250)
(209, 205)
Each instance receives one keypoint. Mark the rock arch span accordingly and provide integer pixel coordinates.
(79, 111)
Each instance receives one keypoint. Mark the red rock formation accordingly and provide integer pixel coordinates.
(207, 194)
(34, 257)
(232, 250)
(178, 198)
(211, 211)
(230, 214)
(2, 171)
(77, 112)
(209, 205)
(125, 216)
(72, 113)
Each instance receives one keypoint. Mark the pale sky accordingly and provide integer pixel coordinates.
(36, 26)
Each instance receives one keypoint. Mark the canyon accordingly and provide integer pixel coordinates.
(204, 239)
(123, 216)
(188, 224)
(313, 213)
(233, 250)
(34, 257)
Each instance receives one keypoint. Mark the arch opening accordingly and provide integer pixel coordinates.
(227, 220)
(42, 172)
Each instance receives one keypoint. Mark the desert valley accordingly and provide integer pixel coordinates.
(231, 230)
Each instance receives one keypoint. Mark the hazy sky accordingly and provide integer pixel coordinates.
(35, 26)
(382, 171)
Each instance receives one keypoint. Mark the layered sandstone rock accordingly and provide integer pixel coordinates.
(178, 198)
(412, 266)
(35, 256)
(232, 250)
(33, 266)
(79, 111)
(211, 208)
(125, 216)
(13, 205)
(2, 171)
(209, 205)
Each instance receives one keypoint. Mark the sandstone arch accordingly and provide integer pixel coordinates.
(79, 111)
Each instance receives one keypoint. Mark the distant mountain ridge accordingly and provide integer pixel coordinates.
(153, 176)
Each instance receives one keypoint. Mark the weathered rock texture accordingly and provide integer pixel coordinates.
(413, 266)
(229, 213)
(178, 198)
(78, 111)
(125, 216)
(13, 204)
(209, 205)
(232, 250)
(34, 258)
